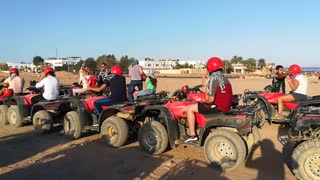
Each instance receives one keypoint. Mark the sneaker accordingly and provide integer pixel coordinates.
(278, 117)
(190, 139)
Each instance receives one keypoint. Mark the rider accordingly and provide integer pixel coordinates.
(14, 81)
(86, 80)
(218, 96)
(117, 84)
(150, 85)
(299, 85)
(278, 81)
(50, 84)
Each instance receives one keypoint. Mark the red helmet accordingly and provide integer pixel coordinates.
(7, 92)
(214, 64)
(295, 69)
(185, 88)
(116, 70)
(47, 70)
(14, 70)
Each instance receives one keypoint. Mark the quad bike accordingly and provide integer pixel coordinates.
(269, 105)
(115, 124)
(304, 134)
(227, 137)
(20, 110)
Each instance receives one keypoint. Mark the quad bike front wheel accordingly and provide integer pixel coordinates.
(225, 149)
(42, 121)
(71, 125)
(306, 160)
(14, 117)
(153, 137)
(114, 131)
(3, 114)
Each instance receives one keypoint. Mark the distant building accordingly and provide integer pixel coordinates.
(26, 66)
(59, 62)
(165, 64)
(239, 68)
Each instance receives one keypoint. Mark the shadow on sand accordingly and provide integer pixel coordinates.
(270, 164)
(96, 161)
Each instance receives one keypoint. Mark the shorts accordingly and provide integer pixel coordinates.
(205, 108)
(298, 97)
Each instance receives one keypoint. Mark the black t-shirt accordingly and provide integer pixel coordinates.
(117, 86)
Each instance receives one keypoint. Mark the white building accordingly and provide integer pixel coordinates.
(164, 64)
(239, 68)
(23, 65)
(59, 62)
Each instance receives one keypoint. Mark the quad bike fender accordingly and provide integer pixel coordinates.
(81, 108)
(105, 114)
(264, 101)
(305, 122)
(242, 127)
(166, 118)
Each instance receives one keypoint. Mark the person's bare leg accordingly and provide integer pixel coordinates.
(285, 98)
(192, 119)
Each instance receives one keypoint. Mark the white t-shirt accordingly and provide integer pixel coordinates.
(303, 84)
(85, 81)
(51, 87)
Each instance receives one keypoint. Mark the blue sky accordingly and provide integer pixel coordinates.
(283, 32)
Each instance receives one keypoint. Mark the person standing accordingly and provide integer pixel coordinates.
(135, 73)
(278, 81)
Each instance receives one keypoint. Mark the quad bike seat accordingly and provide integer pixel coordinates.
(223, 119)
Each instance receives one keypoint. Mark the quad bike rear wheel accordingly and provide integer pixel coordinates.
(225, 149)
(72, 125)
(153, 137)
(114, 131)
(3, 115)
(306, 160)
(42, 121)
(14, 117)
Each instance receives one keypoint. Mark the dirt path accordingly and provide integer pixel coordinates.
(25, 155)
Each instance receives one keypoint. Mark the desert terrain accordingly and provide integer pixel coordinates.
(26, 155)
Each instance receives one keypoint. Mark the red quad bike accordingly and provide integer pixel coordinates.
(304, 134)
(227, 137)
(268, 102)
(116, 123)
(21, 110)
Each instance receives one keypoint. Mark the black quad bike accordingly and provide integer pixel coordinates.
(227, 137)
(304, 134)
(116, 123)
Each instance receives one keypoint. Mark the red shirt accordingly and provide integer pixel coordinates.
(92, 80)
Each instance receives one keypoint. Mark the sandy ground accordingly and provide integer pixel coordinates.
(26, 155)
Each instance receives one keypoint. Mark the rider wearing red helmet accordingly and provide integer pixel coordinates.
(218, 96)
(14, 81)
(50, 83)
(299, 85)
(117, 85)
